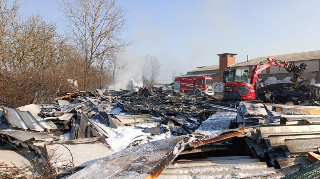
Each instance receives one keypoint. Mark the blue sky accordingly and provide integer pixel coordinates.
(185, 34)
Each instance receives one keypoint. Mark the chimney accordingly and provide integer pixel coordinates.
(225, 60)
(247, 58)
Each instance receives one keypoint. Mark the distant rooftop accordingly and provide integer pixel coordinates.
(194, 75)
(302, 56)
(206, 68)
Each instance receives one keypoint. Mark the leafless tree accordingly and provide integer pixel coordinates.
(8, 15)
(151, 70)
(96, 26)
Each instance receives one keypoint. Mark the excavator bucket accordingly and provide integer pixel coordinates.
(298, 72)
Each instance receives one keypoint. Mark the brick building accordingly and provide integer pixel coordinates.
(311, 58)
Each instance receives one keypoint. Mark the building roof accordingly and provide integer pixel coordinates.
(227, 54)
(302, 56)
(206, 68)
(311, 55)
(194, 75)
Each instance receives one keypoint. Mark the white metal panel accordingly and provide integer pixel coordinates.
(176, 85)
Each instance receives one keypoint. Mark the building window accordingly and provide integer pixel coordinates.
(231, 55)
(223, 56)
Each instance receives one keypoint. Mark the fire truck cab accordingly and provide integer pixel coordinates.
(195, 85)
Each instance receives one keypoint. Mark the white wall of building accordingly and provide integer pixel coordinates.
(243, 68)
(312, 65)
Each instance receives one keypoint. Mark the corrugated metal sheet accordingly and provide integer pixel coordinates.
(26, 135)
(138, 161)
(288, 130)
(31, 122)
(14, 119)
(34, 109)
(279, 140)
(303, 145)
(219, 167)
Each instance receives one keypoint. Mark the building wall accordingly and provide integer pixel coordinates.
(312, 65)
(243, 68)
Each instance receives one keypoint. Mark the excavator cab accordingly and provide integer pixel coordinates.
(233, 75)
(236, 85)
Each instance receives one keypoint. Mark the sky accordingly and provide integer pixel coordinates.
(185, 34)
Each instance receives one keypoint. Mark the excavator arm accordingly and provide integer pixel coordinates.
(290, 67)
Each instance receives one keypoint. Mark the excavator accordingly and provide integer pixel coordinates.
(237, 85)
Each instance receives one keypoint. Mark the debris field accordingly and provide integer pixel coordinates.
(162, 134)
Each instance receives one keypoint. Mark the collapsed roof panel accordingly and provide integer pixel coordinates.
(13, 157)
(30, 121)
(79, 152)
(14, 119)
(303, 145)
(138, 161)
(288, 130)
(26, 135)
(34, 110)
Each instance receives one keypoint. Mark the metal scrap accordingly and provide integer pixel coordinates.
(220, 138)
(142, 161)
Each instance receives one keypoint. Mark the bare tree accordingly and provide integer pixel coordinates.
(151, 70)
(96, 26)
(8, 16)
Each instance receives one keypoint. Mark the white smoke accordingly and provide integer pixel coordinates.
(130, 71)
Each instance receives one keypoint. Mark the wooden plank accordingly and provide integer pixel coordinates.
(219, 138)
(313, 157)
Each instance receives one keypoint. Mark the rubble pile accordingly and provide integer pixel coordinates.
(150, 134)
(283, 91)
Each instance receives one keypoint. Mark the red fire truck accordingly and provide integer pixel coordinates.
(195, 85)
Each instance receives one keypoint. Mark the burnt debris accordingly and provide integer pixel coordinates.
(158, 133)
